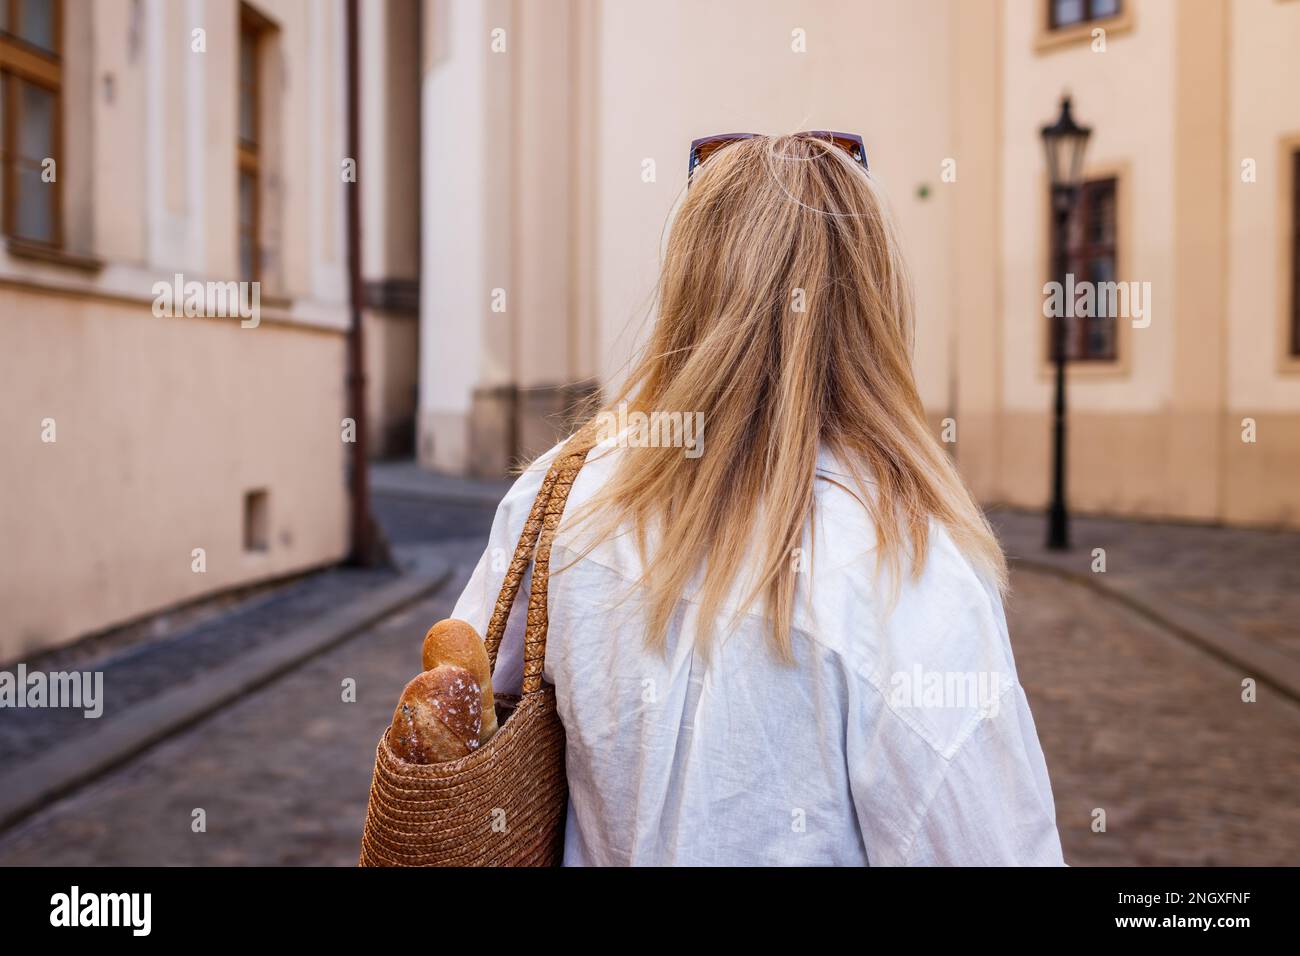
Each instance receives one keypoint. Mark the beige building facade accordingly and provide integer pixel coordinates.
(1194, 116)
(151, 459)
(519, 163)
(556, 140)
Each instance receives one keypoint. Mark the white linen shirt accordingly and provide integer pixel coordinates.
(878, 746)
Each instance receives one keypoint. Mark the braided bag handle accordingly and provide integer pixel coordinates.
(535, 543)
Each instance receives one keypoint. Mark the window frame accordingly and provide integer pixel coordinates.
(1089, 17)
(1293, 353)
(1051, 38)
(43, 69)
(248, 160)
(1077, 330)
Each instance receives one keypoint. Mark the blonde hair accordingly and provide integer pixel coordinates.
(769, 225)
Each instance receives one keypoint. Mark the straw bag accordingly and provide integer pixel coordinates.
(504, 804)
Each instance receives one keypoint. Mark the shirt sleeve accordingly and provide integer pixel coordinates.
(992, 805)
(958, 779)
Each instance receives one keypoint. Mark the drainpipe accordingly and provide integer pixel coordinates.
(362, 548)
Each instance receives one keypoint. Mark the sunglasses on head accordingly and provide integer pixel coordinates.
(702, 149)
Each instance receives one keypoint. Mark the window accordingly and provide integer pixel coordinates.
(1090, 256)
(250, 178)
(1295, 253)
(30, 109)
(1069, 13)
(257, 520)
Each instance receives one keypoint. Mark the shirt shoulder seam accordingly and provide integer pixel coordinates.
(943, 775)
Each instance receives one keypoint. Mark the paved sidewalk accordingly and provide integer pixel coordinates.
(282, 775)
(164, 673)
(146, 670)
(404, 478)
(415, 508)
(1234, 591)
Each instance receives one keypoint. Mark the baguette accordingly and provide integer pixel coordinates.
(447, 711)
(438, 717)
(458, 644)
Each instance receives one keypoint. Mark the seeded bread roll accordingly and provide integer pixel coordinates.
(458, 644)
(439, 716)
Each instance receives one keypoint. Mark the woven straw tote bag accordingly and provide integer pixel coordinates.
(504, 804)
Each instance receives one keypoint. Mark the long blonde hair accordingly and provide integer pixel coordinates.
(786, 318)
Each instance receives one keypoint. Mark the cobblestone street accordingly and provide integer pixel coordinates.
(1133, 719)
(1153, 731)
(282, 775)
(1240, 580)
(147, 668)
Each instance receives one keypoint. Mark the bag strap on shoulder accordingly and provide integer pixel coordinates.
(535, 545)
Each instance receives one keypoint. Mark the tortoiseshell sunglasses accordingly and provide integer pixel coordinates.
(702, 149)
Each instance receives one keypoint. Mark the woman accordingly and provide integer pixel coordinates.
(781, 642)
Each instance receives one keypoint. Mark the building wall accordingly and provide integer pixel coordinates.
(163, 424)
(546, 195)
(1182, 94)
(389, 177)
(976, 241)
(1262, 481)
(696, 69)
(537, 180)
(459, 265)
(1116, 412)
(392, 355)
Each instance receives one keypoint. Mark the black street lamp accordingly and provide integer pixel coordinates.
(1064, 142)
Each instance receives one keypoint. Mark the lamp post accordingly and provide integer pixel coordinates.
(1064, 142)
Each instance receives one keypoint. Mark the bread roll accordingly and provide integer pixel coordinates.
(439, 716)
(458, 644)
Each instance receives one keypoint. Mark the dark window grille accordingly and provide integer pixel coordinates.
(1295, 253)
(249, 155)
(1069, 13)
(1091, 250)
(31, 108)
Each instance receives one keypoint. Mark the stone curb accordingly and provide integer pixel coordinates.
(454, 496)
(469, 491)
(30, 785)
(1264, 664)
